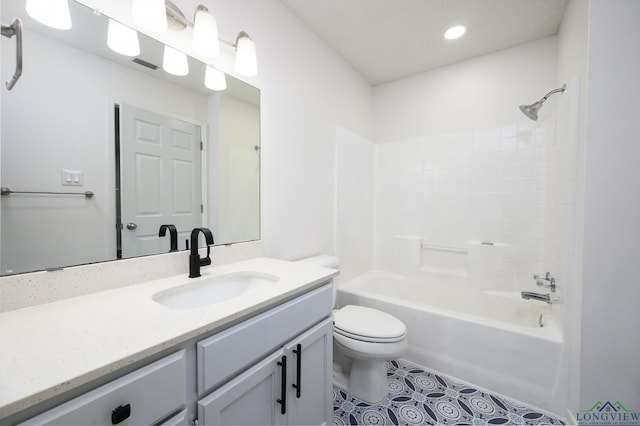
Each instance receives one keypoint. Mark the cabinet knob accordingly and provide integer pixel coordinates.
(120, 414)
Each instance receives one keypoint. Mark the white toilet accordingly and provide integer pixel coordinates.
(364, 339)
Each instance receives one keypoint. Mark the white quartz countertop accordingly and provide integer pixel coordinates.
(55, 347)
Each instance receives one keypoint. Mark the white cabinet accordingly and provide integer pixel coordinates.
(290, 386)
(273, 368)
(146, 396)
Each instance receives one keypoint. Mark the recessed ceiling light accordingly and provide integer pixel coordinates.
(455, 32)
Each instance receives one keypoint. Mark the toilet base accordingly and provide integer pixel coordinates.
(362, 379)
(368, 380)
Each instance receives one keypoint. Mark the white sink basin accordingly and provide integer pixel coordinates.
(201, 292)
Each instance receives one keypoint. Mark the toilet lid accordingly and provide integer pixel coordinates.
(368, 324)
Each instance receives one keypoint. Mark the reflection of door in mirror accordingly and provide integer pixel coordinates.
(159, 179)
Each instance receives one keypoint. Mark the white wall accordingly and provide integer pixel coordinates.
(474, 94)
(610, 290)
(307, 93)
(354, 204)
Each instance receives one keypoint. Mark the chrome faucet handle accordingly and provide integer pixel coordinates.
(551, 283)
(540, 280)
(546, 276)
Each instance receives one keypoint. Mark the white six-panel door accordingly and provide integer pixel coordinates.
(160, 169)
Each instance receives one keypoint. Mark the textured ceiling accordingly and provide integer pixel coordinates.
(385, 40)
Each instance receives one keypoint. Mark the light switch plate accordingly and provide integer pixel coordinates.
(71, 177)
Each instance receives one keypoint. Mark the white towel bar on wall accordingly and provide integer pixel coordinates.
(7, 191)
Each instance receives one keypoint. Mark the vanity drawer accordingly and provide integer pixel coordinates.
(143, 397)
(224, 355)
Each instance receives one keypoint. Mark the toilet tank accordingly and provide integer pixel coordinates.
(325, 261)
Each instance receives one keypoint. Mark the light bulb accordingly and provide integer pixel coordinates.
(215, 79)
(122, 39)
(175, 62)
(455, 32)
(205, 33)
(246, 62)
(150, 14)
(53, 13)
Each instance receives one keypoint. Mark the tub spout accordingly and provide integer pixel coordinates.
(536, 296)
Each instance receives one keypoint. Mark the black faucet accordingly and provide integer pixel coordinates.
(194, 258)
(174, 235)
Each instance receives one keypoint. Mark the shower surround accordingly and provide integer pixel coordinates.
(461, 186)
(469, 204)
(488, 207)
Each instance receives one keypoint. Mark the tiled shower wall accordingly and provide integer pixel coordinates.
(561, 192)
(468, 204)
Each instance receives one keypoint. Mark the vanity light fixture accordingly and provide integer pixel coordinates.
(53, 13)
(205, 39)
(122, 39)
(205, 33)
(455, 32)
(246, 62)
(205, 28)
(215, 79)
(175, 62)
(150, 14)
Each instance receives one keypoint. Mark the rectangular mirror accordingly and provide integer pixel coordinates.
(151, 147)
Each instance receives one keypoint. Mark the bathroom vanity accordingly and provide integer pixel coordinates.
(122, 357)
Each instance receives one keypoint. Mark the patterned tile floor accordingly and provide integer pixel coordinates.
(418, 396)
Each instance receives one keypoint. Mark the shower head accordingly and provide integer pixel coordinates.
(531, 111)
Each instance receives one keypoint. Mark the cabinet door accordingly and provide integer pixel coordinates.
(310, 376)
(249, 399)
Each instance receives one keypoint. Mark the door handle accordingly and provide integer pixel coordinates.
(131, 226)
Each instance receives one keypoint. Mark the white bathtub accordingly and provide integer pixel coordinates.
(490, 339)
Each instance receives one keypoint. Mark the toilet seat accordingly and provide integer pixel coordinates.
(368, 325)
